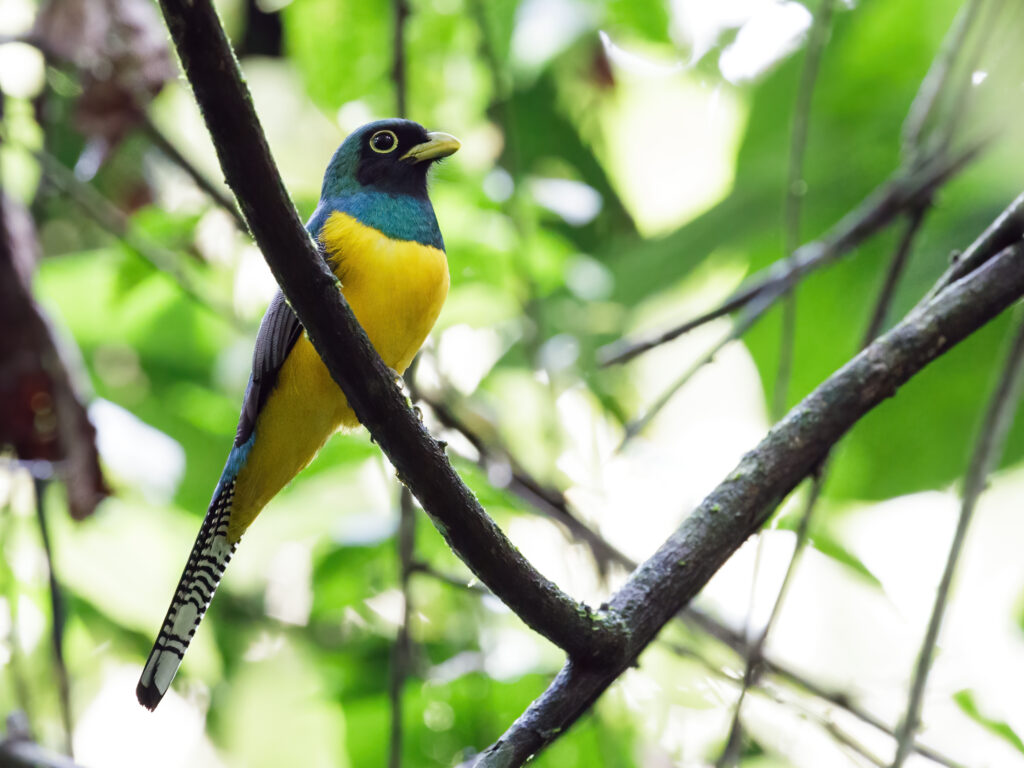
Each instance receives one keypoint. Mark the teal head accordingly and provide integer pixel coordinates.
(379, 176)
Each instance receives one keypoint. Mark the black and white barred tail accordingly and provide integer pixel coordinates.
(206, 563)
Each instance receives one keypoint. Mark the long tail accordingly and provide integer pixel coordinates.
(206, 563)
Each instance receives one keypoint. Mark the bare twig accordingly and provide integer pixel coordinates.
(400, 9)
(600, 646)
(751, 314)
(546, 499)
(934, 82)
(987, 451)
(731, 754)
(796, 188)
(447, 578)
(1007, 229)
(401, 652)
(56, 618)
(401, 657)
(961, 93)
(173, 154)
(734, 640)
(847, 740)
(905, 190)
(893, 274)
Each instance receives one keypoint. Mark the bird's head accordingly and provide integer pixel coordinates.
(390, 156)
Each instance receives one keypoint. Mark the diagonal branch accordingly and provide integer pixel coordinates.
(902, 192)
(755, 658)
(353, 363)
(666, 582)
(172, 153)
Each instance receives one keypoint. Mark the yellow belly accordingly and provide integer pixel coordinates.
(396, 289)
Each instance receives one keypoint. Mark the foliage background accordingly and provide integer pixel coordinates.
(623, 168)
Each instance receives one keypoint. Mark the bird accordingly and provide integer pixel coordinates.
(376, 228)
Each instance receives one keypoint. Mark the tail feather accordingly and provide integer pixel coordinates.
(206, 563)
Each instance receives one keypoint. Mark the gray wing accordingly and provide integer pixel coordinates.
(279, 331)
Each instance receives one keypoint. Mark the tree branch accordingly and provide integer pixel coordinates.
(795, 190)
(17, 750)
(934, 83)
(353, 363)
(401, 656)
(904, 190)
(686, 561)
(172, 153)
(1007, 229)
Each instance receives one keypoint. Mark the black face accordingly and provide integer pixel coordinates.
(381, 147)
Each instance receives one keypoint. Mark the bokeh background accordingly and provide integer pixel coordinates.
(623, 168)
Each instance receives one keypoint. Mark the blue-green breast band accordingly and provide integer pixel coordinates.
(400, 217)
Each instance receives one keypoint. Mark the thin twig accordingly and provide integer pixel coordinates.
(400, 9)
(751, 314)
(172, 153)
(893, 274)
(987, 452)
(934, 82)
(401, 656)
(1008, 228)
(546, 499)
(796, 188)
(401, 652)
(730, 755)
(959, 107)
(734, 640)
(847, 740)
(446, 578)
(904, 190)
(56, 618)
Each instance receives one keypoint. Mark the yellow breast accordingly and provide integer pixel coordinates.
(395, 287)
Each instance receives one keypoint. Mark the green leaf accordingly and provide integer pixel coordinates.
(965, 700)
(342, 48)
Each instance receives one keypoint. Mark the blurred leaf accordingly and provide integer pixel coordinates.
(965, 700)
(342, 49)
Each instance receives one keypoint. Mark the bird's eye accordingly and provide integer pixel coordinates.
(383, 142)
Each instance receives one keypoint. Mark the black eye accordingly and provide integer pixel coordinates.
(383, 142)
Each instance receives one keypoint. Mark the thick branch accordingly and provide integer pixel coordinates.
(739, 506)
(353, 363)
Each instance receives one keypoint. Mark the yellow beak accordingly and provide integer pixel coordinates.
(437, 145)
